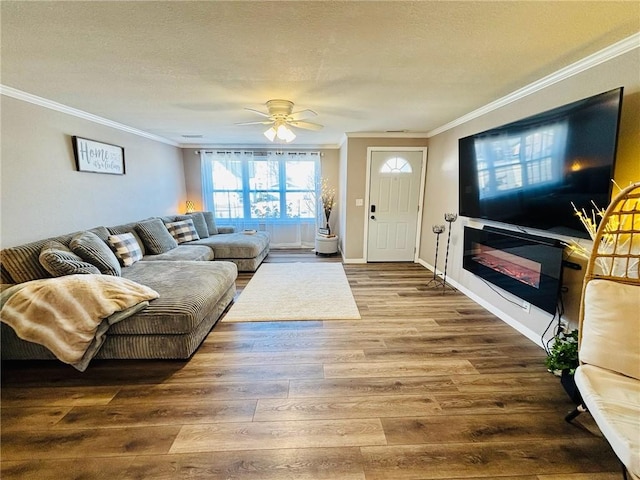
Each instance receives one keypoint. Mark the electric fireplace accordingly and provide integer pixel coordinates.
(527, 266)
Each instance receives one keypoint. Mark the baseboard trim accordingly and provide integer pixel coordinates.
(353, 260)
(509, 320)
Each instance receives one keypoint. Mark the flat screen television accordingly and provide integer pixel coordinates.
(529, 173)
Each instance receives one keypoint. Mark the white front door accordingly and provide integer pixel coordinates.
(394, 205)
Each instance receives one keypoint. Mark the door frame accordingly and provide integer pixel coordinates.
(367, 199)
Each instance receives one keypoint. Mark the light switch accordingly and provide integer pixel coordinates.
(359, 202)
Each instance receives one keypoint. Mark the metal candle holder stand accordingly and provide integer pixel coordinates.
(436, 281)
(449, 218)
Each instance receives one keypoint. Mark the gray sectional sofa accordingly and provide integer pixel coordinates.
(195, 280)
(246, 250)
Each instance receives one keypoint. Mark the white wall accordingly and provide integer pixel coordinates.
(44, 195)
(442, 178)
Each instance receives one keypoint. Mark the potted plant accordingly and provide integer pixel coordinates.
(562, 360)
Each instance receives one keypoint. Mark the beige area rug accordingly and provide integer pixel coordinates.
(295, 291)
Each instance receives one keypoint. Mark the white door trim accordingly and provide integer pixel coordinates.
(423, 177)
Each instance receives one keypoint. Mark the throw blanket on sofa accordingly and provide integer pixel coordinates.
(70, 315)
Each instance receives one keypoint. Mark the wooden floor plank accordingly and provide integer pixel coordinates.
(57, 396)
(477, 428)
(483, 402)
(158, 413)
(87, 443)
(185, 393)
(398, 369)
(198, 372)
(280, 358)
(500, 382)
(291, 464)
(310, 343)
(96, 468)
(27, 418)
(339, 387)
(344, 407)
(484, 460)
(274, 435)
(582, 476)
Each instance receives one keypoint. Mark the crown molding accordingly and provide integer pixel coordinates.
(256, 146)
(58, 107)
(386, 135)
(620, 48)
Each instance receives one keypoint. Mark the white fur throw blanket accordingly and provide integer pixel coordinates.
(70, 315)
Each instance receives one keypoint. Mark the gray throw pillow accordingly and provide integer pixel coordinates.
(198, 221)
(93, 250)
(155, 236)
(211, 222)
(59, 261)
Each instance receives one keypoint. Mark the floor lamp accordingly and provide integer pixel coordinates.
(435, 281)
(449, 218)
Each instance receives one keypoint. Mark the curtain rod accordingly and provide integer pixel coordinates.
(198, 152)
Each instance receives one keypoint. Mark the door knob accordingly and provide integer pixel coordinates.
(373, 217)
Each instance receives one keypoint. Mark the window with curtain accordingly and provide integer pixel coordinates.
(273, 191)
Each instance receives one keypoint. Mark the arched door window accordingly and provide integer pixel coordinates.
(396, 165)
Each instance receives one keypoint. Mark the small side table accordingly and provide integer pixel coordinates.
(326, 245)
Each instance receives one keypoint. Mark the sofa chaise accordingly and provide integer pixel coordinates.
(246, 250)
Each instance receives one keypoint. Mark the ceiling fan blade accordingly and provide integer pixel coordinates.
(302, 115)
(266, 122)
(307, 125)
(258, 112)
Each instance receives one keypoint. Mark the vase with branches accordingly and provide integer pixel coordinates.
(328, 200)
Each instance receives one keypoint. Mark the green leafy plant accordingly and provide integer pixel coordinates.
(564, 353)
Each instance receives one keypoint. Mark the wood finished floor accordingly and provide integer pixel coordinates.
(425, 386)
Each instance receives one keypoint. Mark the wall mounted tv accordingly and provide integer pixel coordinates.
(527, 173)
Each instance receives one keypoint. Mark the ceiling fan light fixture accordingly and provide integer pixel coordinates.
(281, 132)
(284, 133)
(281, 118)
(270, 134)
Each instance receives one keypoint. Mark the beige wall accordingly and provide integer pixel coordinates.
(192, 177)
(330, 169)
(356, 167)
(42, 193)
(442, 175)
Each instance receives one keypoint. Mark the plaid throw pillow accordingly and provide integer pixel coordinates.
(183, 231)
(126, 247)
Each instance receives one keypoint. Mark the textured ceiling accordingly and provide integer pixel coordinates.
(189, 68)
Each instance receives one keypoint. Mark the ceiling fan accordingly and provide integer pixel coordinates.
(281, 117)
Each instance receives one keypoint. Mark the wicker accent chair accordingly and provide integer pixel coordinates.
(608, 376)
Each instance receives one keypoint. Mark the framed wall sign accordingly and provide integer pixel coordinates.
(98, 157)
